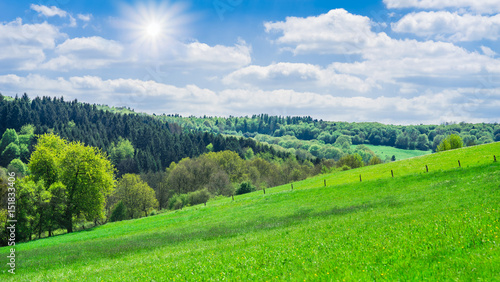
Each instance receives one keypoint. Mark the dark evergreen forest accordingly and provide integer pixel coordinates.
(157, 143)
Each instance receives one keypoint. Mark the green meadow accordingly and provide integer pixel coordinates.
(385, 152)
(439, 225)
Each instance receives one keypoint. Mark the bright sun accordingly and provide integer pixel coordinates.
(153, 30)
(154, 26)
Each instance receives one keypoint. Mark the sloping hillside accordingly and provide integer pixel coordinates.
(436, 225)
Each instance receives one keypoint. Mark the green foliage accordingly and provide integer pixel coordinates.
(122, 151)
(375, 161)
(9, 137)
(11, 152)
(352, 161)
(85, 172)
(198, 197)
(17, 166)
(451, 142)
(136, 195)
(440, 225)
(119, 212)
(245, 187)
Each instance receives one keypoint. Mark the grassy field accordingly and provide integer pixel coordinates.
(440, 225)
(385, 152)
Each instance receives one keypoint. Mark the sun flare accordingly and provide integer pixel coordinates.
(153, 29)
(154, 26)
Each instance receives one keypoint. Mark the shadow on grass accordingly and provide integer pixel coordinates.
(112, 248)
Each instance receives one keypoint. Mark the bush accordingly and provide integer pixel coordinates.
(449, 143)
(375, 160)
(153, 212)
(198, 197)
(245, 187)
(353, 161)
(119, 212)
(178, 202)
(345, 167)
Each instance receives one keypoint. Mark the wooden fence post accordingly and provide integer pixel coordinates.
(232, 196)
(292, 187)
(360, 178)
(459, 165)
(325, 182)
(264, 191)
(392, 173)
(426, 168)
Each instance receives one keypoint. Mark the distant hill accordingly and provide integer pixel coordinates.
(157, 143)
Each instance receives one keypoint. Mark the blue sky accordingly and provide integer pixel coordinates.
(391, 61)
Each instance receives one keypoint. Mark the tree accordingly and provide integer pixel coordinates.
(11, 152)
(136, 195)
(119, 212)
(451, 142)
(85, 172)
(18, 167)
(245, 187)
(9, 136)
(352, 161)
(423, 142)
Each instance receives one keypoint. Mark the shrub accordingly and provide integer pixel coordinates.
(345, 167)
(119, 212)
(198, 197)
(245, 187)
(375, 160)
(353, 161)
(451, 142)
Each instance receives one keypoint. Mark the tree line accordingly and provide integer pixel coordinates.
(413, 137)
(156, 143)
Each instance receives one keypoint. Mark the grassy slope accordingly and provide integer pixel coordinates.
(441, 225)
(387, 152)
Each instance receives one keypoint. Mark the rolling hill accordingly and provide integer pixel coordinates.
(437, 225)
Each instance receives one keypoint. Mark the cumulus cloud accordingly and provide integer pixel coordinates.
(202, 55)
(383, 59)
(24, 45)
(85, 53)
(295, 75)
(450, 26)
(84, 18)
(483, 6)
(336, 32)
(430, 107)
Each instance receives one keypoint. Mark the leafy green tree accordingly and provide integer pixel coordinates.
(119, 212)
(11, 152)
(451, 142)
(20, 168)
(353, 161)
(343, 142)
(136, 195)
(9, 136)
(423, 142)
(85, 172)
(375, 160)
(245, 187)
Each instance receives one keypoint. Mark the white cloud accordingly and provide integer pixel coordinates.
(295, 75)
(473, 105)
(382, 58)
(201, 55)
(337, 32)
(481, 6)
(49, 11)
(450, 26)
(488, 52)
(84, 18)
(85, 53)
(23, 45)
